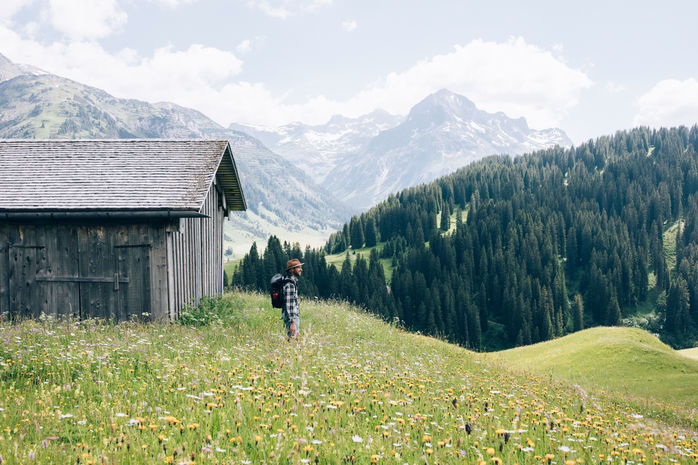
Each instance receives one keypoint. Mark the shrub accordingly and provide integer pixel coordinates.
(211, 310)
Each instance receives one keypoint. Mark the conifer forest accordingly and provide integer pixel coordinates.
(507, 252)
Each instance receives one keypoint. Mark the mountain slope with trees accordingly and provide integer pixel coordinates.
(545, 244)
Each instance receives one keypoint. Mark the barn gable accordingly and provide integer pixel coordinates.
(113, 228)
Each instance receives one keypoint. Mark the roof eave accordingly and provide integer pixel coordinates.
(47, 214)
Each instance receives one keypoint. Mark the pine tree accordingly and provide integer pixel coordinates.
(357, 233)
(445, 218)
(578, 312)
(345, 278)
(371, 235)
(614, 314)
(474, 325)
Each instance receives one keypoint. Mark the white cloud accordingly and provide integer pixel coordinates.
(670, 102)
(9, 8)
(515, 77)
(244, 46)
(349, 25)
(193, 77)
(79, 19)
(284, 9)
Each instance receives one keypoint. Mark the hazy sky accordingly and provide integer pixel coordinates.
(590, 67)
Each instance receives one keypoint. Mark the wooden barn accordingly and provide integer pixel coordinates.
(113, 228)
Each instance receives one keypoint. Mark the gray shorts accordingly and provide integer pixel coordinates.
(291, 319)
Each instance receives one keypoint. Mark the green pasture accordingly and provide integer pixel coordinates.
(628, 362)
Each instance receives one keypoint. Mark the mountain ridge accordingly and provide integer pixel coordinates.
(378, 153)
(443, 132)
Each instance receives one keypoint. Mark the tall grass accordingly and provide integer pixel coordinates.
(353, 390)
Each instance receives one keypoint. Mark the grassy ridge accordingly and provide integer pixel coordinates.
(354, 390)
(691, 353)
(626, 361)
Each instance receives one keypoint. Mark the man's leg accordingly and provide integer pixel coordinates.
(295, 327)
(288, 323)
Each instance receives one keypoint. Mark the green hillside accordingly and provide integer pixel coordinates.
(611, 225)
(354, 390)
(691, 353)
(338, 259)
(628, 361)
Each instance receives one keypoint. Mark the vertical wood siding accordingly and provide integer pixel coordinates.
(115, 271)
(4, 269)
(195, 256)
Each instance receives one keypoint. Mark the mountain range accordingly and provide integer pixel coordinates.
(298, 179)
(364, 160)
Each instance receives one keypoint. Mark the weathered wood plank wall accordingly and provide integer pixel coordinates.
(195, 256)
(4, 269)
(116, 271)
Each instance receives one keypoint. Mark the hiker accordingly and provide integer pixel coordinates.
(290, 310)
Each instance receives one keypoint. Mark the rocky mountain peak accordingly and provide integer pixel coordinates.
(442, 106)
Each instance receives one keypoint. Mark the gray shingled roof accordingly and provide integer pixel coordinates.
(115, 175)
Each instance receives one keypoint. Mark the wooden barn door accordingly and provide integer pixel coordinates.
(26, 295)
(97, 278)
(79, 271)
(114, 276)
(133, 269)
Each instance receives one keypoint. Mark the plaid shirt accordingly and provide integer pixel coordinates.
(290, 293)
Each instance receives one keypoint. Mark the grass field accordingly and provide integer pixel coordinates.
(691, 353)
(669, 240)
(626, 361)
(338, 259)
(230, 266)
(353, 390)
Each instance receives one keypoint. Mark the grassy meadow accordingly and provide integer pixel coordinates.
(628, 362)
(230, 389)
(690, 353)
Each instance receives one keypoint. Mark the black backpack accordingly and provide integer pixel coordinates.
(276, 290)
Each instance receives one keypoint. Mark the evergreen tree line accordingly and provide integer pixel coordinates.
(541, 245)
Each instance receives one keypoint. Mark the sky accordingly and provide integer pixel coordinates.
(590, 68)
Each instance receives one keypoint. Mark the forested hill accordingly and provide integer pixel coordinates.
(543, 244)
